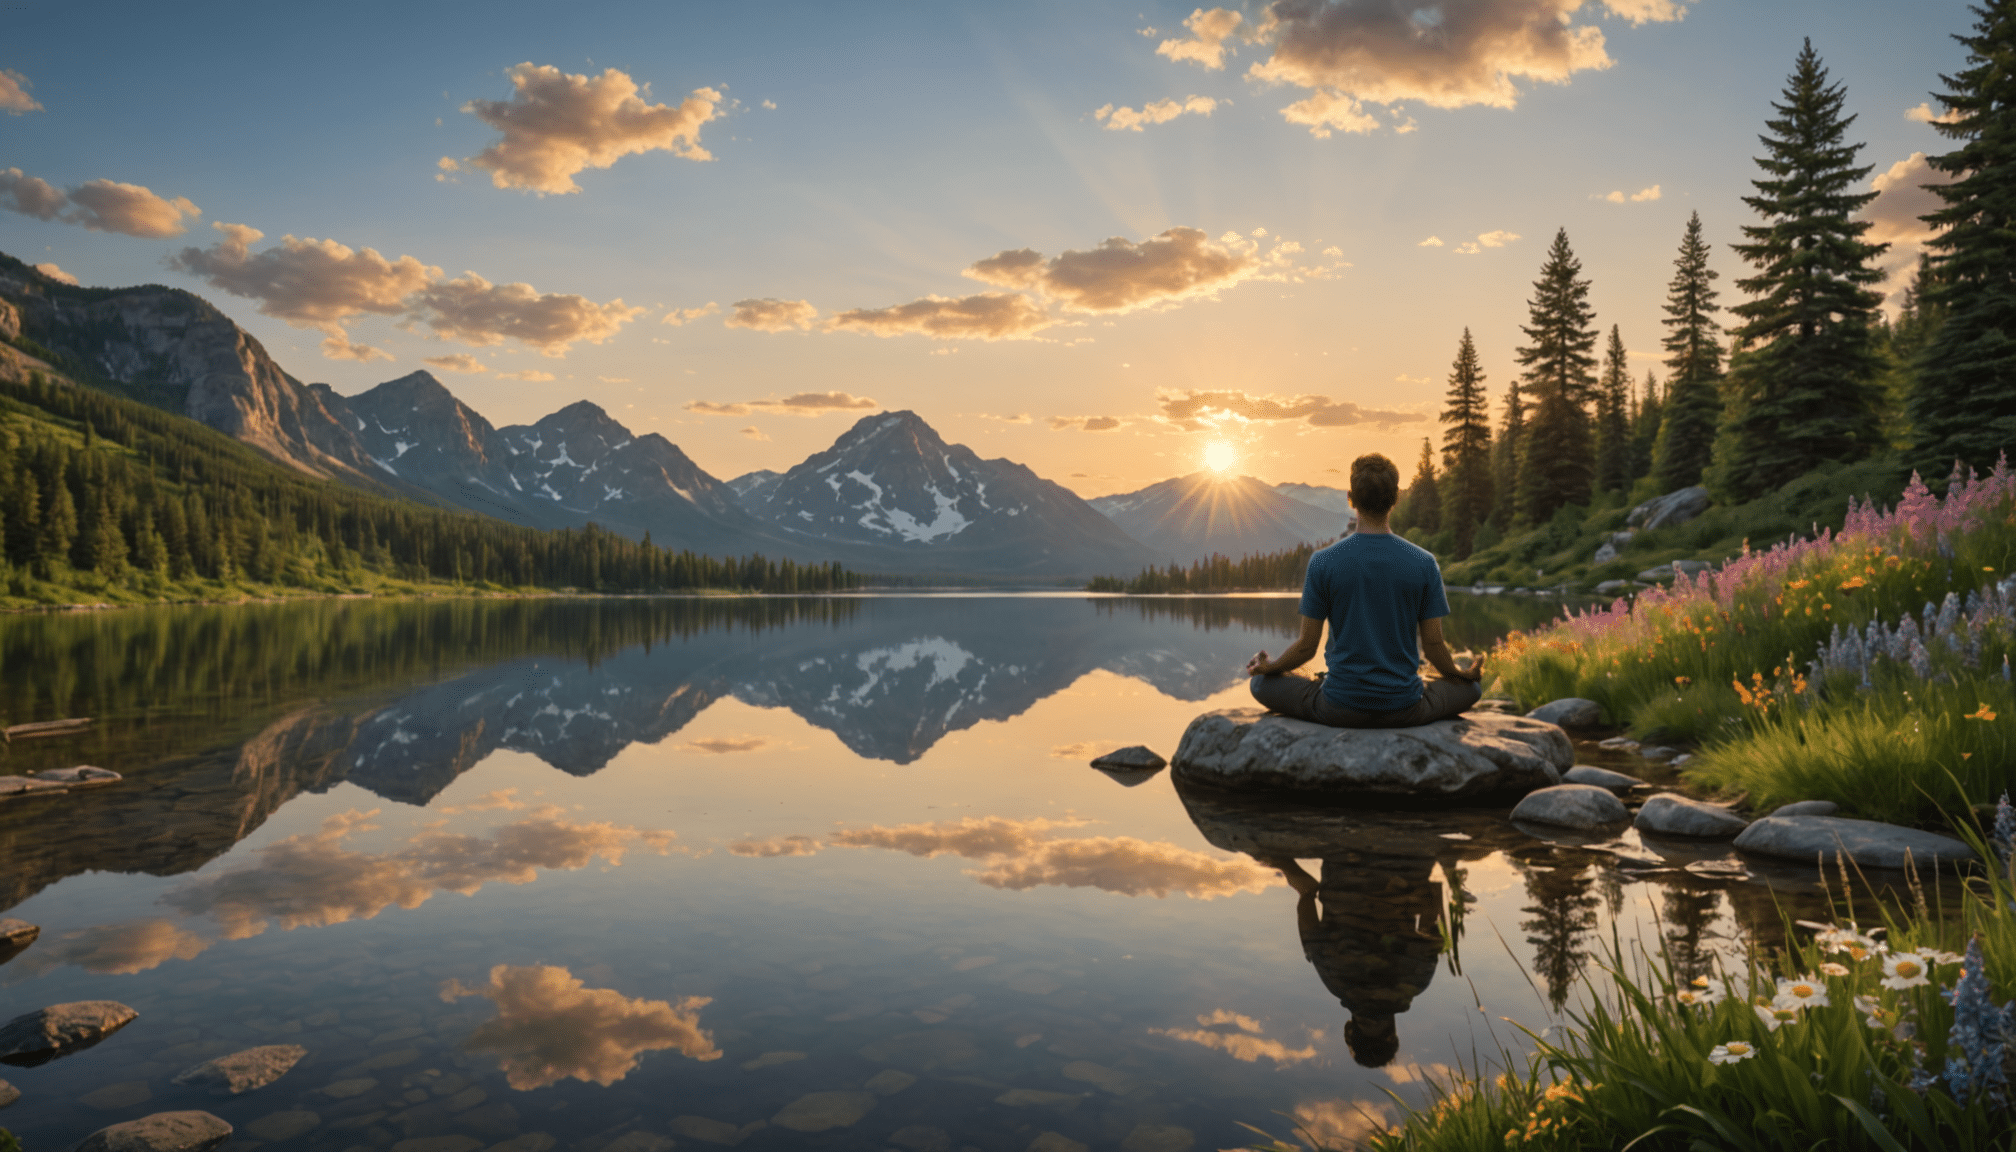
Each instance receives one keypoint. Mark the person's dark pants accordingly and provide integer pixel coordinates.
(1302, 697)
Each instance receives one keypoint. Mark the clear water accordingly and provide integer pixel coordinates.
(789, 873)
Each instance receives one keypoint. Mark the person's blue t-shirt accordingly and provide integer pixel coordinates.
(1374, 589)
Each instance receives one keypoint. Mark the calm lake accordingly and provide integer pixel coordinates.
(818, 873)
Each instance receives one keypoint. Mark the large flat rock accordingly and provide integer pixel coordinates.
(161, 1132)
(1866, 842)
(241, 1072)
(43, 1035)
(1471, 756)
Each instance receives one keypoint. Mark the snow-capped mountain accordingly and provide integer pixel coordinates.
(1191, 517)
(751, 489)
(892, 485)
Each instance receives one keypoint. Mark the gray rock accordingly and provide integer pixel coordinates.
(82, 776)
(161, 1132)
(41, 1036)
(1691, 567)
(28, 786)
(1572, 806)
(1605, 552)
(1569, 712)
(1480, 754)
(1865, 842)
(1657, 752)
(1672, 508)
(1134, 759)
(15, 937)
(8, 1094)
(243, 1071)
(1657, 575)
(1682, 759)
(1618, 744)
(1807, 808)
(1616, 587)
(1718, 869)
(1600, 777)
(1679, 816)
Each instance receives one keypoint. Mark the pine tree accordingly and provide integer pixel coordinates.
(1645, 423)
(1423, 506)
(1505, 458)
(1803, 389)
(1964, 403)
(1613, 418)
(1557, 457)
(1686, 438)
(1466, 450)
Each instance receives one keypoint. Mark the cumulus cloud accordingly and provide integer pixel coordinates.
(551, 1027)
(1430, 242)
(1017, 418)
(776, 846)
(1158, 112)
(529, 375)
(99, 205)
(1194, 411)
(768, 315)
(1206, 45)
(1120, 275)
(1085, 423)
(322, 284)
(1497, 239)
(55, 273)
(14, 98)
(112, 949)
(1638, 197)
(458, 362)
(1019, 856)
(1901, 198)
(312, 879)
(984, 316)
(556, 124)
(755, 433)
(797, 404)
(1351, 53)
(1924, 114)
(679, 316)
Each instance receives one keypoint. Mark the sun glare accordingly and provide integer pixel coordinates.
(1219, 456)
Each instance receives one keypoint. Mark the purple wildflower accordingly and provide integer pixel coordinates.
(2003, 837)
(1975, 1046)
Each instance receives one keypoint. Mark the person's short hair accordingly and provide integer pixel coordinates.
(1373, 1042)
(1375, 484)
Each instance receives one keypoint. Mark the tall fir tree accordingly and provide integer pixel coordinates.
(1466, 450)
(1650, 412)
(1613, 417)
(1804, 389)
(1505, 458)
(1421, 506)
(1963, 405)
(1557, 458)
(1686, 435)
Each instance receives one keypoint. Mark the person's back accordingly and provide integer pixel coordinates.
(1381, 598)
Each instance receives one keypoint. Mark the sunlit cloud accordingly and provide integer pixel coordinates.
(111, 949)
(1924, 114)
(551, 1027)
(475, 311)
(767, 315)
(14, 98)
(776, 846)
(1121, 119)
(1639, 197)
(797, 404)
(1248, 1044)
(500, 800)
(555, 125)
(1902, 197)
(312, 879)
(1343, 1123)
(1191, 410)
(1430, 242)
(98, 205)
(1018, 856)
(529, 375)
(458, 362)
(1120, 275)
(1017, 418)
(1206, 45)
(755, 433)
(722, 745)
(55, 273)
(984, 316)
(679, 316)
(1497, 239)
(1086, 423)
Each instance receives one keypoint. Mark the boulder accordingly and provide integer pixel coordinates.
(1612, 545)
(1672, 508)
(1572, 806)
(1469, 756)
(1569, 712)
(1657, 752)
(1618, 744)
(1865, 842)
(8, 1094)
(1605, 552)
(1679, 816)
(15, 937)
(48, 1033)
(1807, 808)
(1135, 758)
(161, 1132)
(1691, 567)
(1656, 575)
(82, 776)
(1600, 777)
(243, 1071)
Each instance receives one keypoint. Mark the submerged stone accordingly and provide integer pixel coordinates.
(1572, 806)
(8, 1094)
(1569, 712)
(1600, 777)
(1472, 755)
(243, 1071)
(1679, 816)
(161, 1132)
(823, 1110)
(15, 937)
(41, 1036)
(82, 776)
(1865, 842)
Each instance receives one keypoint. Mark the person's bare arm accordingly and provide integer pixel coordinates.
(1297, 654)
(1436, 651)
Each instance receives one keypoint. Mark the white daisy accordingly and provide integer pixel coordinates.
(1801, 993)
(1731, 1052)
(1904, 970)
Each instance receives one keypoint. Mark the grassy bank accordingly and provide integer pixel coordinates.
(1868, 666)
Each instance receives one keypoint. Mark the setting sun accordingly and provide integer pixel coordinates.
(1220, 456)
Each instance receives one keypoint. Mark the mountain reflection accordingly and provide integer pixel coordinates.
(551, 1027)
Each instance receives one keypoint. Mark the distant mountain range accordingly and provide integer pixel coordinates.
(889, 496)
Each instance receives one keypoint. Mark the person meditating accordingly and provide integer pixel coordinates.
(1379, 594)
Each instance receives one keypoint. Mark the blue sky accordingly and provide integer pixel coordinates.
(863, 155)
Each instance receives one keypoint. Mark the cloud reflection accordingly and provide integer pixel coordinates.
(113, 949)
(1019, 857)
(313, 880)
(776, 846)
(550, 1027)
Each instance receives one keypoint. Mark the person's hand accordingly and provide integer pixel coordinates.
(1475, 673)
(1258, 662)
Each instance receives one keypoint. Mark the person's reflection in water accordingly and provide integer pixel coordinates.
(1371, 927)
